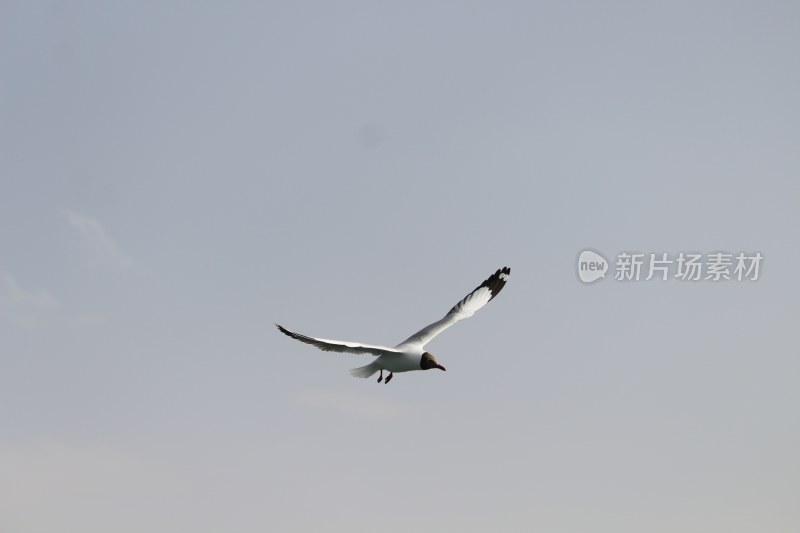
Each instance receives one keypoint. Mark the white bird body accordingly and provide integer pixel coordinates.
(410, 354)
(404, 362)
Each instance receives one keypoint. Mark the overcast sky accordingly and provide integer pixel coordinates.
(175, 178)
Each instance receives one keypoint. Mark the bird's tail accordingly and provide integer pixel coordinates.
(365, 371)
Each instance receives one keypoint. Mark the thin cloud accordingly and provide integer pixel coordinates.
(25, 307)
(11, 292)
(100, 245)
(34, 308)
(349, 403)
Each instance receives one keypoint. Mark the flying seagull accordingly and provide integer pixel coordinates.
(410, 354)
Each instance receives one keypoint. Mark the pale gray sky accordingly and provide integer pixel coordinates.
(175, 178)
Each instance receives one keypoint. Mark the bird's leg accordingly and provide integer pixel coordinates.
(380, 378)
(388, 378)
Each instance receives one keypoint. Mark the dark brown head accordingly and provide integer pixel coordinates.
(428, 361)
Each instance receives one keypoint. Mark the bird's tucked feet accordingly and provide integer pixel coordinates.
(380, 378)
(388, 378)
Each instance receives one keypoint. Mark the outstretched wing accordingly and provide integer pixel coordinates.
(340, 346)
(481, 296)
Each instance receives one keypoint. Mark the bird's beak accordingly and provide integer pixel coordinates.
(440, 367)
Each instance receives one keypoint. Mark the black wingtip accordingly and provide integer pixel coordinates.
(288, 333)
(497, 281)
(493, 283)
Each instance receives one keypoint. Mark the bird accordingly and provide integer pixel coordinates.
(410, 354)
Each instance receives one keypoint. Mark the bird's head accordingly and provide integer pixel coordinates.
(428, 361)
